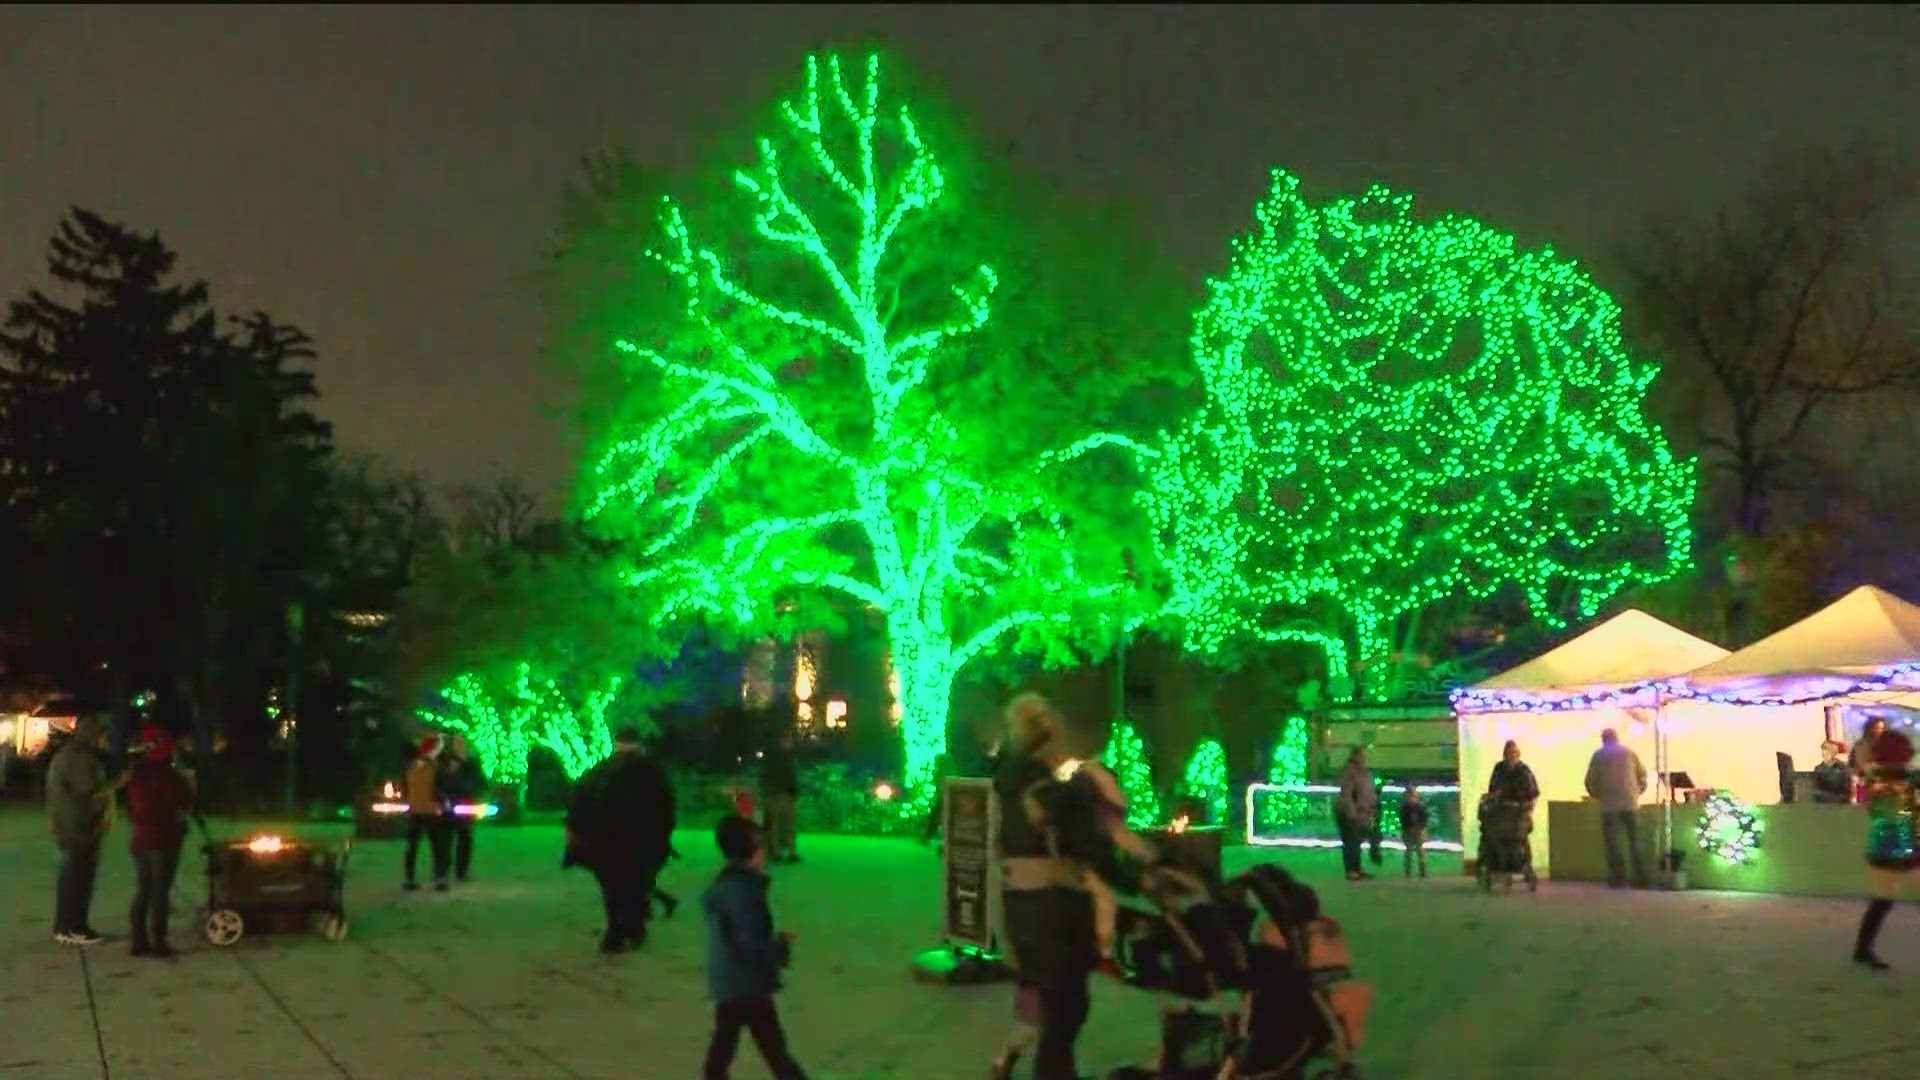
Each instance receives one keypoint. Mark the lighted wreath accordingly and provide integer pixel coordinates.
(1729, 829)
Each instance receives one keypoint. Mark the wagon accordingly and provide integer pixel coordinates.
(271, 882)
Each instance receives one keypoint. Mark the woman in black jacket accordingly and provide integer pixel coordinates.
(1511, 778)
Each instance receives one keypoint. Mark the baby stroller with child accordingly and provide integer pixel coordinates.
(1247, 997)
(1506, 845)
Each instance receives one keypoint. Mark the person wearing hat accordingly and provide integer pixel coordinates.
(158, 798)
(620, 826)
(427, 815)
(1892, 852)
(80, 809)
(1832, 779)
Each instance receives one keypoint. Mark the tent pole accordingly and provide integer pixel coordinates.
(1665, 786)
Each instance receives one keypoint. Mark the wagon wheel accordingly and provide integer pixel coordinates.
(225, 926)
(334, 926)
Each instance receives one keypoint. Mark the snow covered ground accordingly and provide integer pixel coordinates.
(500, 979)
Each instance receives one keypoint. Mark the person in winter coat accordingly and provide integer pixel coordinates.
(780, 792)
(1356, 811)
(1616, 780)
(1892, 851)
(1511, 778)
(620, 826)
(745, 955)
(1832, 780)
(427, 815)
(80, 809)
(1054, 828)
(462, 783)
(1414, 815)
(158, 798)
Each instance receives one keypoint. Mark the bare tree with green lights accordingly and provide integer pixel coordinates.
(833, 415)
(1402, 411)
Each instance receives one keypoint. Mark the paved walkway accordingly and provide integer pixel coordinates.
(500, 979)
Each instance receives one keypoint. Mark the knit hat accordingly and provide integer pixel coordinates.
(737, 837)
(156, 743)
(429, 746)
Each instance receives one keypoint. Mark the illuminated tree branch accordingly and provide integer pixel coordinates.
(755, 472)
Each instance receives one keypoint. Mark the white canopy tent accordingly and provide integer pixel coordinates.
(1858, 636)
(1626, 651)
(1728, 737)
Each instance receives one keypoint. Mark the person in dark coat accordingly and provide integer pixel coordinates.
(745, 955)
(1512, 779)
(158, 798)
(428, 816)
(1052, 832)
(1832, 779)
(780, 791)
(79, 809)
(462, 784)
(620, 826)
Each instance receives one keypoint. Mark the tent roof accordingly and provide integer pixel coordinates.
(1632, 647)
(1861, 633)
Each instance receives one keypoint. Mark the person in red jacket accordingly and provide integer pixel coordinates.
(158, 798)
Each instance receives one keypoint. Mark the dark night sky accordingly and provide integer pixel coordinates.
(387, 177)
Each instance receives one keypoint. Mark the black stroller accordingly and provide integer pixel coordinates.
(1279, 1004)
(1506, 844)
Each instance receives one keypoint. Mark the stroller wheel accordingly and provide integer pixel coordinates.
(334, 926)
(224, 927)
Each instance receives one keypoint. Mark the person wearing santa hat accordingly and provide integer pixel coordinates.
(158, 798)
(1891, 849)
(427, 816)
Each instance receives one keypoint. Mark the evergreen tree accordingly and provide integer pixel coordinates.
(1206, 779)
(1126, 756)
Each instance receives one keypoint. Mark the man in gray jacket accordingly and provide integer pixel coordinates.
(1616, 780)
(79, 807)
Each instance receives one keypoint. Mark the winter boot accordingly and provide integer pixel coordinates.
(1870, 922)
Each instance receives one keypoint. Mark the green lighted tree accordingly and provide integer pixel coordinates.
(524, 645)
(824, 414)
(1292, 758)
(1206, 779)
(507, 710)
(1401, 411)
(1126, 756)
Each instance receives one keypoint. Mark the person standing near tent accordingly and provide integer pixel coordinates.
(1616, 779)
(1356, 811)
(1891, 850)
(1511, 778)
(1860, 760)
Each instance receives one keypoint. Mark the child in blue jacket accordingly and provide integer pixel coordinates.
(744, 955)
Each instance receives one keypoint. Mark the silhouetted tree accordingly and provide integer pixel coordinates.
(1779, 306)
(167, 469)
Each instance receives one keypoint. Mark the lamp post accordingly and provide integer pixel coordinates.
(296, 623)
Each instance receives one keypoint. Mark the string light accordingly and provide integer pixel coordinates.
(1126, 757)
(1206, 779)
(1730, 830)
(740, 495)
(1402, 410)
(504, 717)
(1292, 758)
(1805, 689)
(1264, 826)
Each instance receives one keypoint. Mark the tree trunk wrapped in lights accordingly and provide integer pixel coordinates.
(828, 415)
(1403, 410)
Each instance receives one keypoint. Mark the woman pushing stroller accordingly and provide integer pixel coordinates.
(1057, 827)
